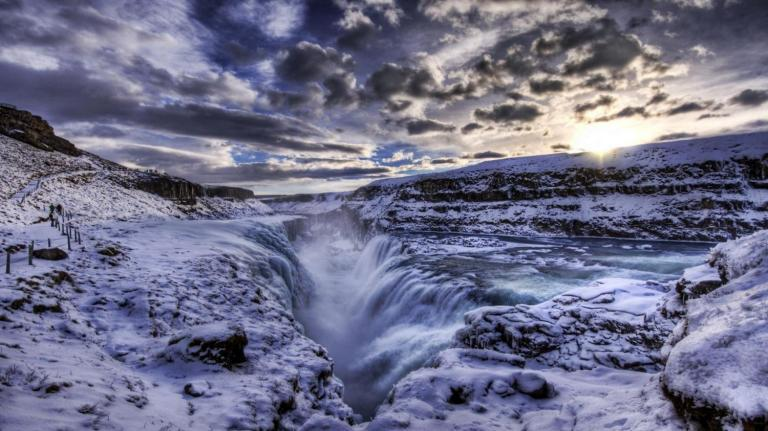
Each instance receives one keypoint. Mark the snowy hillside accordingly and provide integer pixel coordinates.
(702, 189)
(162, 325)
(93, 189)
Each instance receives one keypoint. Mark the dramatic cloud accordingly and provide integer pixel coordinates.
(687, 107)
(509, 113)
(419, 127)
(546, 86)
(626, 112)
(359, 30)
(392, 79)
(471, 127)
(486, 155)
(301, 90)
(310, 62)
(751, 97)
(602, 101)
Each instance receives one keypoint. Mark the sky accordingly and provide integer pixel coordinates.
(300, 96)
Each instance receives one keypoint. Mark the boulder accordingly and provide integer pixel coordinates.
(215, 343)
(54, 253)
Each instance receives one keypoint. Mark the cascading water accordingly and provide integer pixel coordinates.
(380, 314)
(384, 310)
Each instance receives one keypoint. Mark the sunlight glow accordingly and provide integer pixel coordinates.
(603, 137)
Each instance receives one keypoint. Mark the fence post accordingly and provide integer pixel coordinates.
(69, 246)
(7, 262)
(31, 250)
(49, 243)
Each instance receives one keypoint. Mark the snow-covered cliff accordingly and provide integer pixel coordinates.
(698, 189)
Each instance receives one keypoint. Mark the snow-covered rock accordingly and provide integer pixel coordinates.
(699, 189)
(717, 370)
(613, 323)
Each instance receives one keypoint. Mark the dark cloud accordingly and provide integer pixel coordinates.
(602, 46)
(307, 62)
(159, 80)
(546, 85)
(104, 131)
(626, 112)
(508, 113)
(711, 115)
(750, 97)
(419, 127)
(754, 125)
(72, 95)
(485, 155)
(657, 98)
(560, 147)
(398, 105)
(267, 171)
(687, 107)
(676, 136)
(359, 31)
(443, 161)
(600, 82)
(291, 100)
(341, 90)
(471, 127)
(602, 100)
(392, 79)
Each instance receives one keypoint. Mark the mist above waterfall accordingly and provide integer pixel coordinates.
(383, 308)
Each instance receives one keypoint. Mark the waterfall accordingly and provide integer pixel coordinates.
(379, 312)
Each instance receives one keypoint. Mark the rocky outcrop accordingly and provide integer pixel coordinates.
(612, 324)
(228, 192)
(173, 188)
(715, 371)
(33, 130)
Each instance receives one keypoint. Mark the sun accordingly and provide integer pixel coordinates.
(601, 138)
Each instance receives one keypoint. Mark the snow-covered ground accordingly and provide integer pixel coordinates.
(144, 327)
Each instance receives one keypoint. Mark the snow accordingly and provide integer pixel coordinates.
(122, 347)
(181, 318)
(720, 362)
(708, 189)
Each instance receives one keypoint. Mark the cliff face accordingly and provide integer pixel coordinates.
(33, 130)
(703, 189)
(227, 192)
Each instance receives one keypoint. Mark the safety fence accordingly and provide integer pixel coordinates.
(66, 234)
